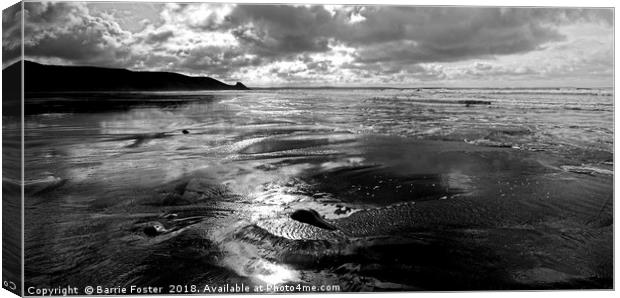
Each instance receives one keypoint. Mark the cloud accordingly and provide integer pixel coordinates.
(490, 70)
(159, 37)
(68, 32)
(439, 34)
(313, 43)
(11, 34)
(398, 36)
(217, 60)
(276, 30)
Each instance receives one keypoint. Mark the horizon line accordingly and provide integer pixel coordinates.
(352, 86)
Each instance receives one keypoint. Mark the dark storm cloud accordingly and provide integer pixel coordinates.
(417, 35)
(159, 37)
(463, 44)
(67, 31)
(406, 34)
(280, 30)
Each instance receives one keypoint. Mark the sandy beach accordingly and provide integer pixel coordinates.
(394, 189)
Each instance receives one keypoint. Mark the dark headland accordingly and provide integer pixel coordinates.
(46, 78)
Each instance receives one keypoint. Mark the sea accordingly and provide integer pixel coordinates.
(321, 189)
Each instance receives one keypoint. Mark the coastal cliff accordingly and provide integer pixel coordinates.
(46, 78)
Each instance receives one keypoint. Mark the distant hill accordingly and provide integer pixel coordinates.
(46, 78)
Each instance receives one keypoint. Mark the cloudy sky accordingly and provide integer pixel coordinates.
(303, 45)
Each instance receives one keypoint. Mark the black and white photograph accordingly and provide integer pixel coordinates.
(265, 148)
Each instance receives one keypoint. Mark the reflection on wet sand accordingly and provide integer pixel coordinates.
(289, 191)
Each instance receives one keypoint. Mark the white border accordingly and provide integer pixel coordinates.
(476, 294)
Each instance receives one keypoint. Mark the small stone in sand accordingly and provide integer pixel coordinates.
(311, 217)
(154, 229)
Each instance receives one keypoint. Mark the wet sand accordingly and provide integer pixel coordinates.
(214, 205)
